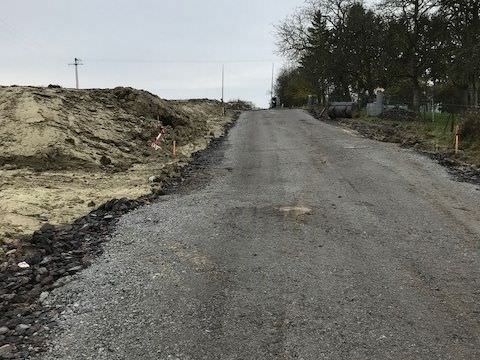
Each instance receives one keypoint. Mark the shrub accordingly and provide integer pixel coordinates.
(470, 129)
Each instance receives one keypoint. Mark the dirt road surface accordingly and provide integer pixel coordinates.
(307, 242)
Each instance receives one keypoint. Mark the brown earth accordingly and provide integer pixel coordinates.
(65, 151)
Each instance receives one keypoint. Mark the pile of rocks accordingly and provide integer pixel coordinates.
(399, 114)
(462, 171)
(42, 262)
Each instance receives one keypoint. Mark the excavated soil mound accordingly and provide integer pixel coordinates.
(62, 151)
(58, 129)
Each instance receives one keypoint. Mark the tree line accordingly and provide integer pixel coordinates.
(417, 50)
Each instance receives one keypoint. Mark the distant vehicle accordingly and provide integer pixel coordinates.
(274, 102)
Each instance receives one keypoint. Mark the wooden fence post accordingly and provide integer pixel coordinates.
(457, 138)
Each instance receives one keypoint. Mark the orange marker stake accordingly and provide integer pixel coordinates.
(457, 139)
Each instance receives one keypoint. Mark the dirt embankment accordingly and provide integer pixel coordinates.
(59, 129)
(63, 151)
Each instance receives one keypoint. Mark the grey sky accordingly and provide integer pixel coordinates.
(147, 44)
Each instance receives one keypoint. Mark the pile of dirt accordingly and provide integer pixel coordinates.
(240, 105)
(59, 129)
(399, 114)
(392, 133)
(62, 151)
(52, 255)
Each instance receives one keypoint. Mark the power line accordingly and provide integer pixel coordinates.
(179, 61)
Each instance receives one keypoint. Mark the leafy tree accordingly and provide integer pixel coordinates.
(292, 87)
(422, 49)
(463, 25)
(343, 51)
(409, 49)
(316, 60)
(362, 40)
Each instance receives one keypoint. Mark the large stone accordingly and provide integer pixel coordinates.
(154, 179)
(7, 351)
(46, 228)
(43, 296)
(42, 271)
(21, 328)
(75, 269)
(105, 161)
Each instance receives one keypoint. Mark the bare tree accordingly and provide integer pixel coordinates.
(292, 32)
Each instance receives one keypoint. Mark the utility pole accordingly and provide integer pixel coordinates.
(223, 89)
(273, 104)
(76, 63)
(273, 75)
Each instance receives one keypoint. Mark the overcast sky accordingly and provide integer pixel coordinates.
(173, 48)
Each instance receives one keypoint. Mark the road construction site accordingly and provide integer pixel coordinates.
(64, 152)
(287, 238)
(308, 241)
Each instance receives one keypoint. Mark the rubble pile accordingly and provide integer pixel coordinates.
(399, 114)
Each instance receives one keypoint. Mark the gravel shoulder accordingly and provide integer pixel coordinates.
(301, 240)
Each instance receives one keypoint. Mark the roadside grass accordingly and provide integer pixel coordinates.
(433, 134)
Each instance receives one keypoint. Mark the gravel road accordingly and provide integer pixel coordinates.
(307, 242)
